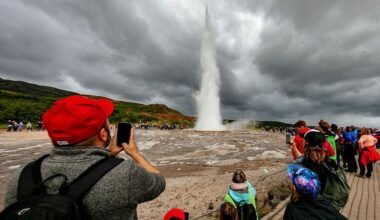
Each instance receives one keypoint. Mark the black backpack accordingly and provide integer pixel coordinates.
(34, 203)
(245, 211)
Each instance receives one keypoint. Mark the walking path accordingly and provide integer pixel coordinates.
(363, 202)
(364, 196)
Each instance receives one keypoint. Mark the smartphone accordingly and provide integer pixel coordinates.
(288, 138)
(123, 133)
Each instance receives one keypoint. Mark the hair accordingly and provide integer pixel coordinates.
(91, 140)
(228, 212)
(365, 131)
(314, 147)
(324, 125)
(334, 128)
(300, 123)
(294, 196)
(315, 154)
(88, 142)
(239, 176)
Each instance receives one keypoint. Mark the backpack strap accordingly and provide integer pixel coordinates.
(233, 200)
(29, 178)
(85, 181)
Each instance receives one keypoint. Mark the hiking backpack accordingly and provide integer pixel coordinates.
(245, 210)
(34, 203)
(336, 189)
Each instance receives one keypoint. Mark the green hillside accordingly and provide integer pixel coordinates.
(32, 89)
(25, 101)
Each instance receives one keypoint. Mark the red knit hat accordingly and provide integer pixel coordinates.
(175, 213)
(76, 118)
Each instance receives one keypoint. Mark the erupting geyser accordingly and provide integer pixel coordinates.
(207, 99)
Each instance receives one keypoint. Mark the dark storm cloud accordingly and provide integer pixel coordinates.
(130, 49)
(279, 60)
(322, 57)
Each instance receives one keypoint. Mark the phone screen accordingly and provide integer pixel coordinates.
(123, 133)
(288, 138)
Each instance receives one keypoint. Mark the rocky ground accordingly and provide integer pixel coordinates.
(197, 165)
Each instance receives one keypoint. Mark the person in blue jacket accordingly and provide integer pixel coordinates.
(350, 139)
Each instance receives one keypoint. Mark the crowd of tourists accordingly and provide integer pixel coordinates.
(149, 126)
(13, 125)
(83, 178)
(341, 145)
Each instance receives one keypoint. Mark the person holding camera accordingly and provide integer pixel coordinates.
(297, 143)
(81, 169)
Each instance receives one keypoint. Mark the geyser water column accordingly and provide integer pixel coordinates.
(207, 99)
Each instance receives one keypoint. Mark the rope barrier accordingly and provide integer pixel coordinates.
(209, 213)
(262, 178)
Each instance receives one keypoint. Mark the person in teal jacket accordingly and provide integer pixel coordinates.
(242, 195)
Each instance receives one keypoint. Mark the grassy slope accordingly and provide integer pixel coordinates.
(25, 101)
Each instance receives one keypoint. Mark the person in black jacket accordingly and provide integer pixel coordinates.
(305, 201)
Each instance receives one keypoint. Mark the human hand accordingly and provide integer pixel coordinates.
(131, 148)
(113, 148)
(132, 151)
(292, 146)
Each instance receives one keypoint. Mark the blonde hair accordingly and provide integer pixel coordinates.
(365, 131)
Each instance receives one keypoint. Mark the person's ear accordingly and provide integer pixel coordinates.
(103, 135)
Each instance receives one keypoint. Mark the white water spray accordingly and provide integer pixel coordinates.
(207, 99)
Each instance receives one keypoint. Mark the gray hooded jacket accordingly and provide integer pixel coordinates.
(114, 196)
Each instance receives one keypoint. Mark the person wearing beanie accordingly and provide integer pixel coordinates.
(79, 130)
(327, 148)
(305, 201)
(316, 152)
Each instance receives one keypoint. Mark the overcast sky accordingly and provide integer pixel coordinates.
(279, 60)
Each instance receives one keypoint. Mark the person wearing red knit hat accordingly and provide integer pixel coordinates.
(79, 129)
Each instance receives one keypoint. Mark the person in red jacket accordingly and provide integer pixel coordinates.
(301, 127)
